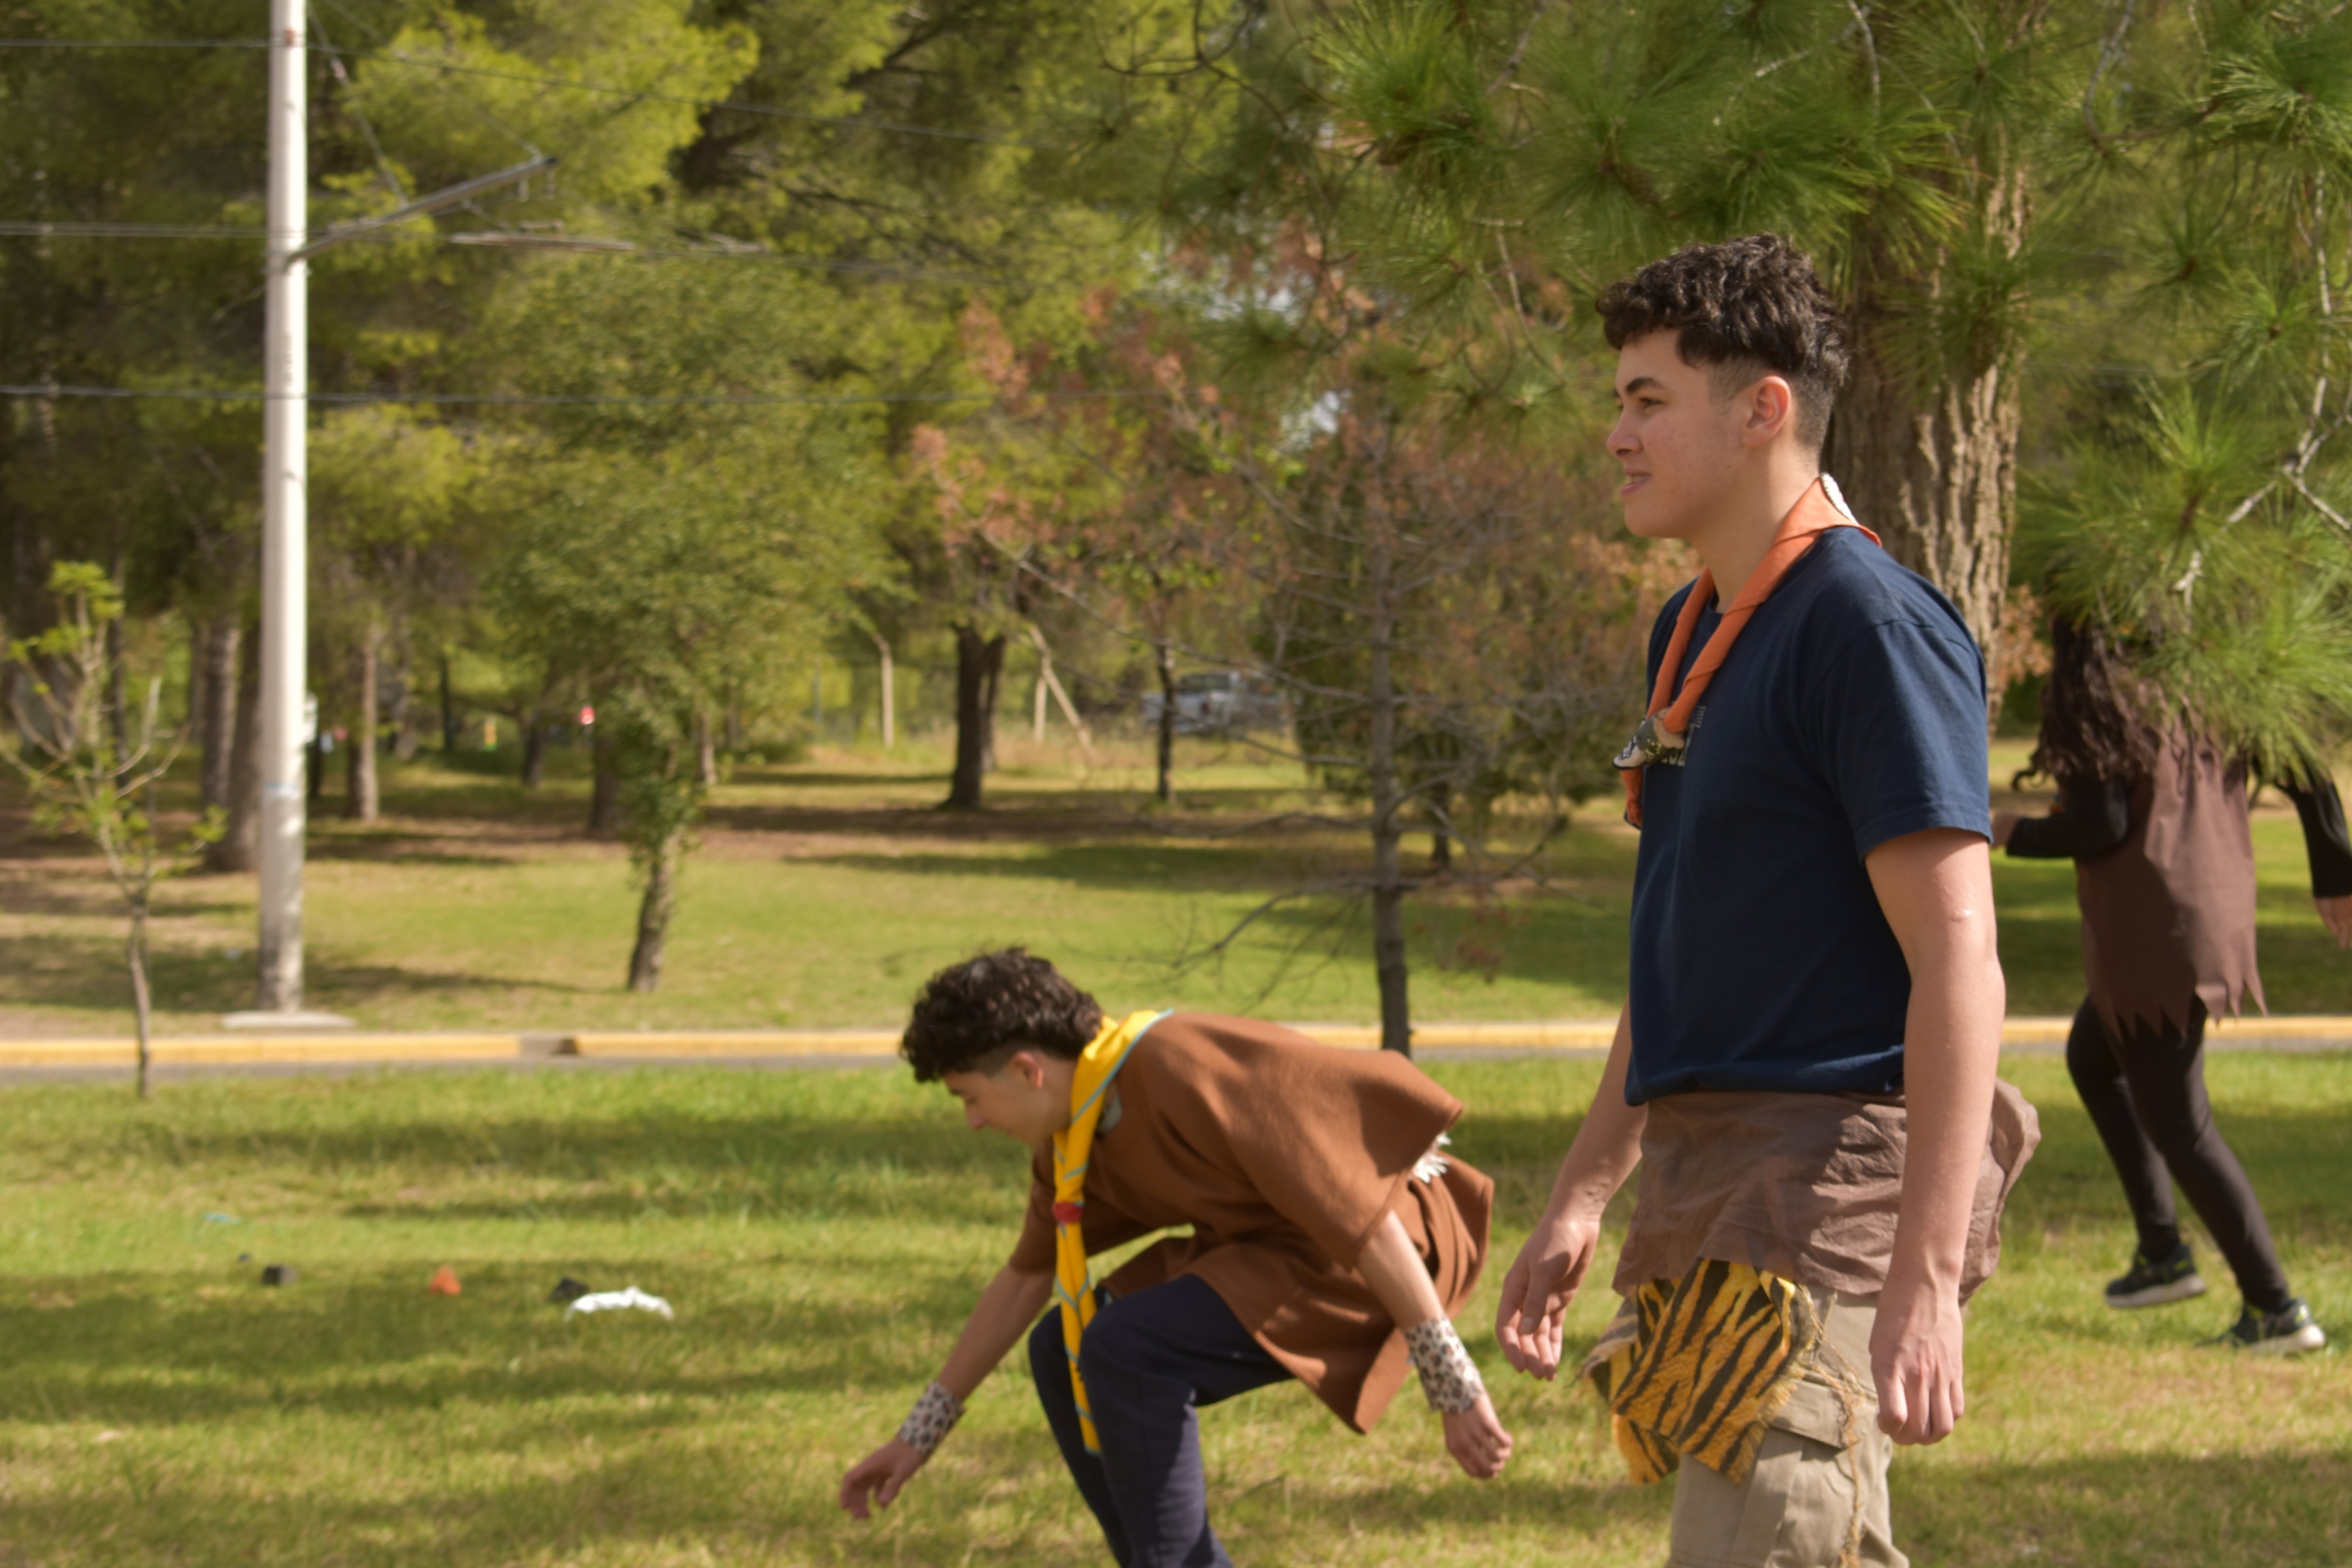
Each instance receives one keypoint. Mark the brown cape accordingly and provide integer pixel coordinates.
(1282, 1155)
(2168, 917)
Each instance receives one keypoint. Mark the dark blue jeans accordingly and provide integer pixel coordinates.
(1150, 1361)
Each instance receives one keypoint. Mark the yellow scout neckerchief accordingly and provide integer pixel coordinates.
(1097, 1065)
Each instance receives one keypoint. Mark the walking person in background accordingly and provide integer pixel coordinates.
(2156, 821)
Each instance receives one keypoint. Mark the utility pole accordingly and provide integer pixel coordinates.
(285, 511)
(284, 563)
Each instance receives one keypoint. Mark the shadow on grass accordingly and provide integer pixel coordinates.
(59, 971)
(394, 847)
(371, 1342)
(656, 1484)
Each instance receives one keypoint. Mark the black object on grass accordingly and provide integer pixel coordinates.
(567, 1289)
(280, 1274)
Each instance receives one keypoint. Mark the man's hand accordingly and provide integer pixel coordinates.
(1476, 1440)
(1543, 1279)
(1915, 1359)
(883, 1474)
(2335, 914)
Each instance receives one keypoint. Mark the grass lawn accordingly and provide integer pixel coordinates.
(825, 891)
(821, 1235)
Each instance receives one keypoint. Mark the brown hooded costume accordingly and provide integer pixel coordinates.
(1281, 1154)
(2168, 917)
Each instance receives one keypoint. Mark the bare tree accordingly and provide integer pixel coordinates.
(86, 778)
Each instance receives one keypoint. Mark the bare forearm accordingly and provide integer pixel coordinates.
(1952, 1050)
(1936, 888)
(1001, 1316)
(1397, 1276)
(1609, 1144)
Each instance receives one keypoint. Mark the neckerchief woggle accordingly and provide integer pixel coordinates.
(1072, 1147)
(1665, 732)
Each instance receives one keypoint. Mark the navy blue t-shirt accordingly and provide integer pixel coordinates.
(1850, 712)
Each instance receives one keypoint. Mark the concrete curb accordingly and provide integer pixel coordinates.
(832, 1047)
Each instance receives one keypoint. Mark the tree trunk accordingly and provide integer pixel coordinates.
(705, 754)
(889, 697)
(1163, 658)
(979, 662)
(217, 727)
(401, 710)
(1387, 871)
(604, 792)
(1441, 830)
(534, 748)
(239, 849)
(28, 611)
(448, 712)
(139, 1003)
(118, 705)
(361, 798)
(1930, 462)
(653, 915)
(195, 727)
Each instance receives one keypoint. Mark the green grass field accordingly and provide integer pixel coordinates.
(822, 1234)
(825, 891)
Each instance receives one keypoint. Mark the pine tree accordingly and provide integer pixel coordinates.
(2199, 508)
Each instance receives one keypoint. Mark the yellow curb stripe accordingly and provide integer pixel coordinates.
(743, 1043)
(202, 1050)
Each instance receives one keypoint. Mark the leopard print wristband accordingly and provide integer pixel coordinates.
(933, 1417)
(1448, 1376)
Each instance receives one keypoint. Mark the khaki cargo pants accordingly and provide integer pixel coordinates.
(1813, 1501)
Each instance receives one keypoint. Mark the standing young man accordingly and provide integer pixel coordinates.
(1805, 1064)
(1330, 1239)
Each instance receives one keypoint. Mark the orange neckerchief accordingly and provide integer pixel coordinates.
(1664, 733)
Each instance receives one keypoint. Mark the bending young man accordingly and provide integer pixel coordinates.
(1330, 1239)
(1805, 1064)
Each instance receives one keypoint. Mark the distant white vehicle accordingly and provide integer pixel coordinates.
(1219, 702)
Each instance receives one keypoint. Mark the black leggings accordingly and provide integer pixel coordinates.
(2146, 1094)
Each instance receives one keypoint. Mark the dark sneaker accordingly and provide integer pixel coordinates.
(2172, 1277)
(2287, 1331)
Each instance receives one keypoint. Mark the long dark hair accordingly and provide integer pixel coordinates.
(2094, 719)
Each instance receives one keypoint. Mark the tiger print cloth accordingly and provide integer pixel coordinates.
(1695, 1367)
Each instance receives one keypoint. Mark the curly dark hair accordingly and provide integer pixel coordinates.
(1743, 308)
(971, 1017)
(2095, 719)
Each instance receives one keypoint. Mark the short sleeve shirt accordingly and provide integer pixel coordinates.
(1850, 712)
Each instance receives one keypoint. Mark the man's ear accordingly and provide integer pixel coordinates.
(1028, 1066)
(1769, 407)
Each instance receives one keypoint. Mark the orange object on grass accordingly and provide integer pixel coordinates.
(444, 1281)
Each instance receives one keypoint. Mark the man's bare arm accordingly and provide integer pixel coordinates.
(1935, 890)
(1551, 1267)
(1393, 1268)
(1002, 1315)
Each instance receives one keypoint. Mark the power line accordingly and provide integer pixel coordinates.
(228, 394)
(645, 94)
(503, 240)
(42, 229)
(134, 43)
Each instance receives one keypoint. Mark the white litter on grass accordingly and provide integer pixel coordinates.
(611, 1300)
